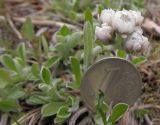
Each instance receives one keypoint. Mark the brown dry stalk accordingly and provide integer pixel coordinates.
(28, 116)
(42, 22)
(13, 27)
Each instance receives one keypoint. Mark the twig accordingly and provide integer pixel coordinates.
(86, 121)
(145, 106)
(34, 119)
(27, 116)
(73, 119)
(45, 22)
(149, 106)
(15, 1)
(42, 22)
(41, 31)
(13, 27)
(18, 1)
(4, 119)
(149, 122)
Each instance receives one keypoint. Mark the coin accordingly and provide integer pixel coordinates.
(117, 78)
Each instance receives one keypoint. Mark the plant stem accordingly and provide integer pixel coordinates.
(103, 116)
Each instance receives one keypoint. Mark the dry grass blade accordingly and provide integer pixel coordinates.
(28, 116)
(4, 119)
(149, 122)
(17, 33)
(77, 114)
(35, 118)
(42, 22)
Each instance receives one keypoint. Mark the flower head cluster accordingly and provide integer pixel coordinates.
(127, 23)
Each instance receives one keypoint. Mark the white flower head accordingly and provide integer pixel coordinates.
(146, 44)
(123, 22)
(127, 23)
(109, 28)
(137, 42)
(137, 16)
(139, 30)
(137, 46)
(104, 33)
(106, 16)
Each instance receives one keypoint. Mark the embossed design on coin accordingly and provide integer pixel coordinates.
(117, 78)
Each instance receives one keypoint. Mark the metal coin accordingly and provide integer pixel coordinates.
(117, 78)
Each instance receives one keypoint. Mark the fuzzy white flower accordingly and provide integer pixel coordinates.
(106, 16)
(139, 30)
(109, 28)
(128, 24)
(137, 16)
(104, 33)
(137, 42)
(146, 44)
(123, 22)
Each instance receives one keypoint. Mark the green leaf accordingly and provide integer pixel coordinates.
(121, 53)
(5, 78)
(102, 107)
(100, 8)
(62, 48)
(73, 40)
(8, 105)
(101, 104)
(45, 45)
(63, 112)
(19, 65)
(118, 41)
(53, 91)
(52, 61)
(38, 100)
(59, 120)
(59, 38)
(9, 62)
(51, 108)
(75, 64)
(4, 74)
(43, 87)
(21, 51)
(73, 15)
(1, 5)
(105, 107)
(107, 3)
(15, 94)
(46, 75)
(88, 43)
(53, 94)
(20, 61)
(101, 99)
(64, 31)
(67, 43)
(118, 111)
(35, 69)
(73, 102)
(138, 60)
(88, 16)
(27, 29)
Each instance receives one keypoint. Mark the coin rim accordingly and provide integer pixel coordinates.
(100, 61)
